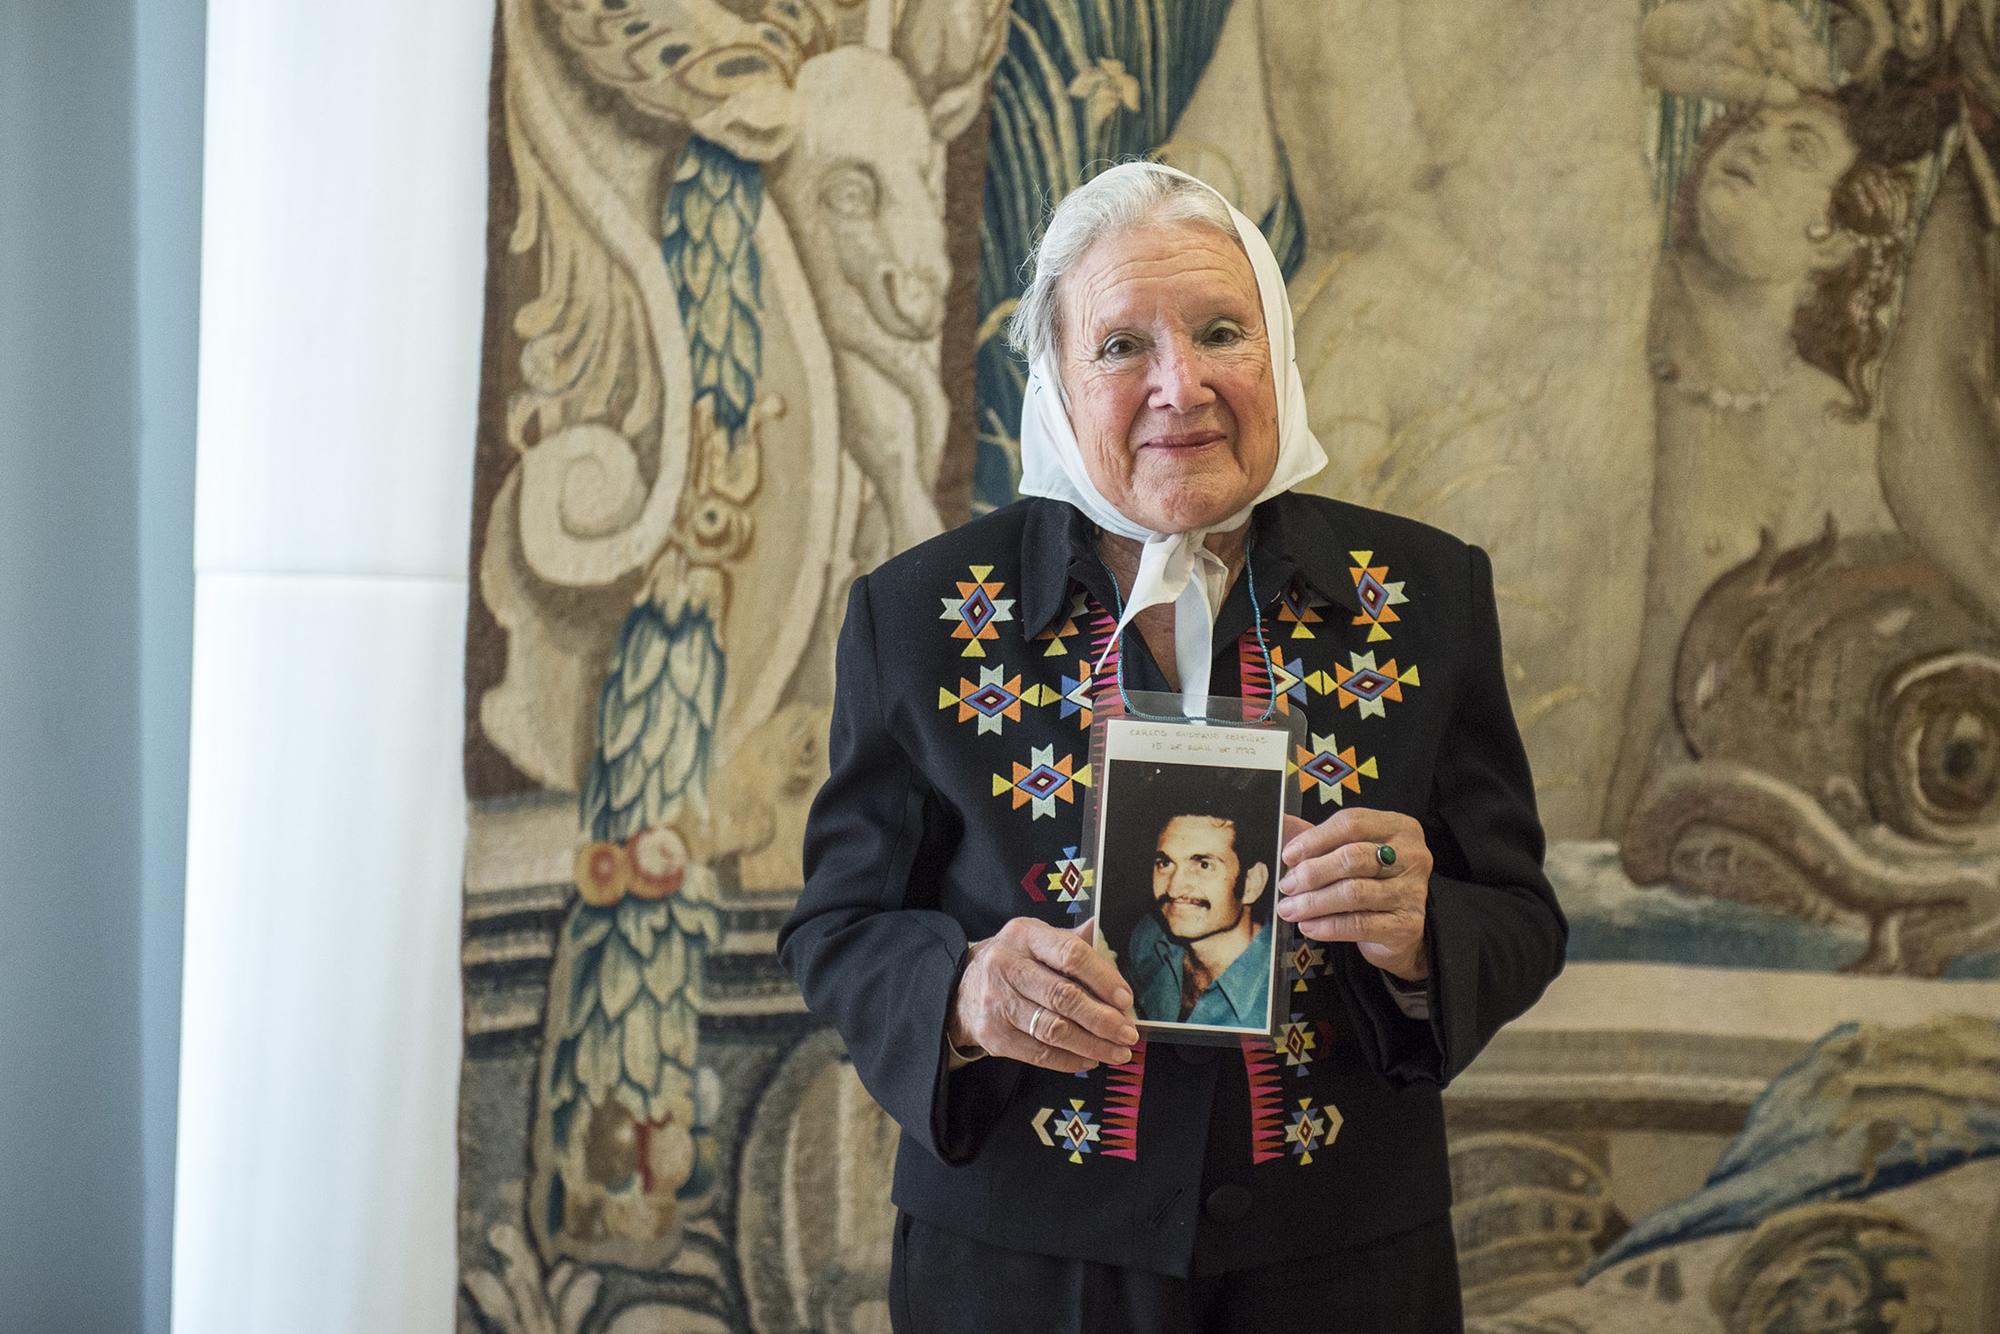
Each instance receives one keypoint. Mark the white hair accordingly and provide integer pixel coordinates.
(1113, 202)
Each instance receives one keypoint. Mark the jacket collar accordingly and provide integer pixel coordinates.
(1289, 536)
(1245, 985)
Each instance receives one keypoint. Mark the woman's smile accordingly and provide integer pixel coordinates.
(1185, 442)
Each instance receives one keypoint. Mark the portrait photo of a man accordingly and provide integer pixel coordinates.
(1190, 852)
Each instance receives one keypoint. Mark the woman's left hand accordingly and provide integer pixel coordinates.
(1339, 886)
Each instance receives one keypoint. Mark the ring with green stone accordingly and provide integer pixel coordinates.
(1385, 854)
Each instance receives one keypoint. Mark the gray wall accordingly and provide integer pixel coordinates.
(168, 90)
(99, 206)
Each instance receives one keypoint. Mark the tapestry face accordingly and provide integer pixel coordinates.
(1685, 310)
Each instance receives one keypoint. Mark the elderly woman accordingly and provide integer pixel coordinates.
(1055, 1172)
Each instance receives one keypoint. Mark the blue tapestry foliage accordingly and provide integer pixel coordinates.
(629, 1028)
(708, 227)
(655, 720)
(1080, 86)
(1930, 1101)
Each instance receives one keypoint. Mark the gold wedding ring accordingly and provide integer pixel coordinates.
(1034, 1019)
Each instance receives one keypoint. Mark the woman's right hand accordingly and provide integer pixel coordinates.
(1042, 995)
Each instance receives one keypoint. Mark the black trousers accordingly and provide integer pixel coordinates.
(942, 1283)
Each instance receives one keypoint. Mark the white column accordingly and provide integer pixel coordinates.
(343, 235)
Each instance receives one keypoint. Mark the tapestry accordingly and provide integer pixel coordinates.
(1685, 310)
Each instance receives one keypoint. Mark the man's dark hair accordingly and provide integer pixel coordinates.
(1239, 797)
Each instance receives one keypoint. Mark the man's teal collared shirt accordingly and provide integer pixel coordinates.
(1237, 999)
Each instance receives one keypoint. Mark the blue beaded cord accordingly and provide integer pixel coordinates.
(1256, 619)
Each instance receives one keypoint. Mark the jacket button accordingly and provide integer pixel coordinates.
(1194, 1055)
(1228, 1204)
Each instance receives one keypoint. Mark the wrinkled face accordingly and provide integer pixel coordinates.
(1767, 186)
(1195, 873)
(1167, 367)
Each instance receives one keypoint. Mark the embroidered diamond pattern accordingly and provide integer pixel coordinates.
(1368, 684)
(1331, 770)
(990, 701)
(1072, 1130)
(1311, 1128)
(1365, 684)
(1306, 961)
(1328, 767)
(976, 610)
(1300, 610)
(1374, 597)
(1379, 597)
(1042, 781)
(1070, 882)
(1297, 1041)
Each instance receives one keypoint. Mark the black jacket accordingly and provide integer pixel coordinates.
(933, 829)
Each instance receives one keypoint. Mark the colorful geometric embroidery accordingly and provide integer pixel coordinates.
(991, 700)
(1378, 597)
(1305, 962)
(977, 609)
(1072, 1131)
(1122, 1084)
(1078, 694)
(1042, 780)
(1267, 1111)
(1330, 769)
(1107, 653)
(1032, 882)
(1300, 1040)
(1057, 636)
(1367, 685)
(1253, 673)
(1287, 683)
(1299, 607)
(1070, 882)
(1312, 1128)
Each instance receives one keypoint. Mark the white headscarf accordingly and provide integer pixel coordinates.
(1174, 567)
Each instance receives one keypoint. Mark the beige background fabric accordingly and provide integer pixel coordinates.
(1684, 311)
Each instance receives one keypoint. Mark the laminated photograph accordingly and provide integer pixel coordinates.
(1189, 822)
